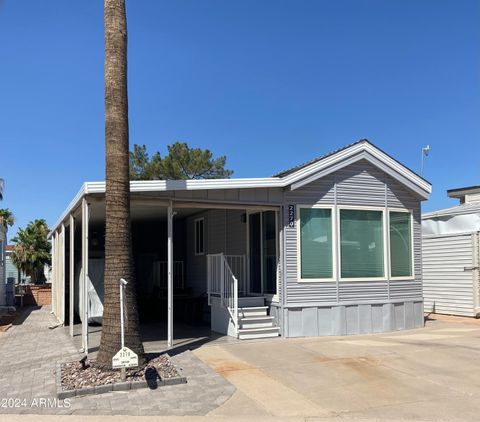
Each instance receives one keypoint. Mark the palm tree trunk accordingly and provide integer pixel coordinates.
(118, 245)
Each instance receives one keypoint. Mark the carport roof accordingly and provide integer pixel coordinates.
(293, 178)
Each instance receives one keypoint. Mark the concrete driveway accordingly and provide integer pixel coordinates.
(425, 374)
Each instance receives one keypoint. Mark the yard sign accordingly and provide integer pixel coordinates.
(125, 358)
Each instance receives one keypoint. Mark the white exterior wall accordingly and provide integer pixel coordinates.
(450, 280)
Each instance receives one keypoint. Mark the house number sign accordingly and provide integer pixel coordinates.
(291, 215)
(125, 358)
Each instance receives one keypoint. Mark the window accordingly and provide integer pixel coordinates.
(400, 244)
(361, 244)
(199, 237)
(316, 260)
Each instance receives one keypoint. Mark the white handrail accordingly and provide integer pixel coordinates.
(223, 283)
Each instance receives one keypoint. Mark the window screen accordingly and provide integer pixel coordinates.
(316, 243)
(400, 244)
(361, 244)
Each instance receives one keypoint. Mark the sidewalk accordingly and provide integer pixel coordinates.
(28, 355)
(427, 374)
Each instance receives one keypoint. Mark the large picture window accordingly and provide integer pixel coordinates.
(400, 244)
(316, 261)
(361, 244)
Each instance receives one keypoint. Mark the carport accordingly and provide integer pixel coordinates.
(173, 242)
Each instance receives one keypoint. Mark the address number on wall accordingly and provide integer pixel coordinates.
(291, 216)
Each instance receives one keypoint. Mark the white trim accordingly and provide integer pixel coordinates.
(275, 296)
(170, 276)
(62, 236)
(54, 273)
(71, 274)
(365, 155)
(339, 245)
(269, 296)
(84, 279)
(412, 252)
(262, 264)
(250, 293)
(197, 220)
(334, 241)
(453, 211)
(298, 178)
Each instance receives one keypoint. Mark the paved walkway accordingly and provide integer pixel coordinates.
(430, 374)
(28, 355)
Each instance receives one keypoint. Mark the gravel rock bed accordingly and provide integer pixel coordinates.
(75, 375)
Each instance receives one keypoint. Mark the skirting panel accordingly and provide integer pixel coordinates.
(276, 312)
(352, 319)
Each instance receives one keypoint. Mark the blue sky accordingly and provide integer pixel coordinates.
(269, 83)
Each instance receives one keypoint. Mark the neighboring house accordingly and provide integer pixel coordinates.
(451, 255)
(13, 274)
(331, 247)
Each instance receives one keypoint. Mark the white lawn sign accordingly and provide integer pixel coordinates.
(125, 357)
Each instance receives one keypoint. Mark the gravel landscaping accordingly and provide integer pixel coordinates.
(77, 375)
(7, 318)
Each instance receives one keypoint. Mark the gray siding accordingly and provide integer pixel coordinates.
(236, 233)
(352, 319)
(360, 184)
(241, 196)
(448, 288)
(224, 232)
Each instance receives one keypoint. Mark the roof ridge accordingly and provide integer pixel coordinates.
(321, 157)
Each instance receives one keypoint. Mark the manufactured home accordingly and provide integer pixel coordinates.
(330, 247)
(451, 256)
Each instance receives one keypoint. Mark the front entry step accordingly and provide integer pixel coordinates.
(252, 311)
(254, 322)
(251, 333)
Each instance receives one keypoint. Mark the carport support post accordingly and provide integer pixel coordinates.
(62, 270)
(72, 274)
(84, 281)
(170, 274)
(54, 272)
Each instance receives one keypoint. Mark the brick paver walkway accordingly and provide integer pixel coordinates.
(28, 355)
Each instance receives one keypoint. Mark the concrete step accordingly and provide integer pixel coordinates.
(252, 311)
(251, 333)
(257, 322)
